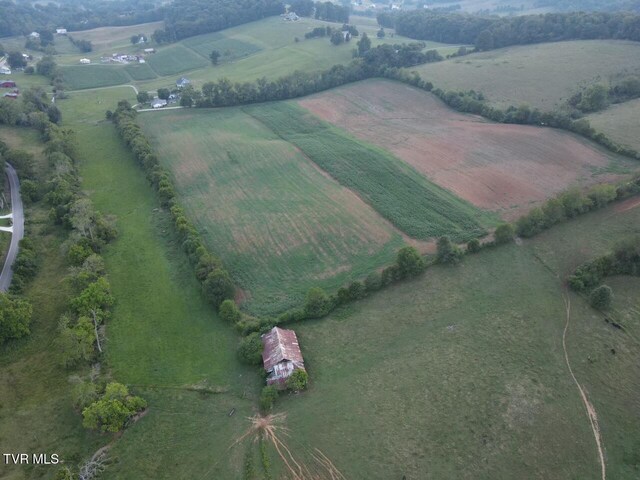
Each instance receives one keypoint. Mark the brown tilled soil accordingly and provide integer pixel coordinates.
(506, 168)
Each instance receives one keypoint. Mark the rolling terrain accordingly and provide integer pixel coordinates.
(504, 168)
(619, 122)
(543, 75)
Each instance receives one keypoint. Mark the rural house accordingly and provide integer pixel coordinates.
(7, 84)
(281, 355)
(34, 35)
(183, 82)
(85, 61)
(61, 31)
(158, 103)
(149, 50)
(5, 71)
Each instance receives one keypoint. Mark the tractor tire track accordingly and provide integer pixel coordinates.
(591, 411)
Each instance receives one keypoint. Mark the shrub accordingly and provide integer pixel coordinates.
(218, 287)
(15, 317)
(448, 252)
(410, 262)
(600, 298)
(504, 233)
(250, 349)
(268, 398)
(473, 246)
(317, 303)
(229, 311)
(113, 410)
(298, 380)
(373, 282)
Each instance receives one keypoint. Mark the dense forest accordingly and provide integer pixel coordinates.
(590, 5)
(488, 32)
(186, 18)
(24, 18)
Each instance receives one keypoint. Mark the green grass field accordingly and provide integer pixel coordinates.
(279, 224)
(139, 72)
(175, 59)
(399, 193)
(461, 373)
(229, 48)
(619, 122)
(159, 347)
(78, 77)
(543, 75)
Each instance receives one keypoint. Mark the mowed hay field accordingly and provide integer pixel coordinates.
(504, 168)
(620, 122)
(543, 75)
(461, 373)
(110, 38)
(279, 223)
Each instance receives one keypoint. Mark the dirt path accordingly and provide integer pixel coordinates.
(591, 411)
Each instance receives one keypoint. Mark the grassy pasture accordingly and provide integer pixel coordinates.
(279, 224)
(163, 337)
(543, 75)
(111, 39)
(175, 59)
(140, 71)
(416, 206)
(229, 48)
(620, 122)
(78, 77)
(461, 373)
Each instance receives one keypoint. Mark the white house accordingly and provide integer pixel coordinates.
(61, 31)
(183, 82)
(149, 50)
(291, 17)
(158, 103)
(85, 61)
(34, 35)
(5, 71)
(142, 40)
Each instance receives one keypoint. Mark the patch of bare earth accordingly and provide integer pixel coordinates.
(505, 168)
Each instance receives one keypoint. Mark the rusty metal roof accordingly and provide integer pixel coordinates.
(280, 345)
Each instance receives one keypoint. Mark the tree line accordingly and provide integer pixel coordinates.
(489, 32)
(187, 18)
(215, 280)
(22, 18)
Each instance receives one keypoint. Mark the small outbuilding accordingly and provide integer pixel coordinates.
(7, 84)
(85, 61)
(149, 50)
(183, 82)
(5, 71)
(281, 355)
(34, 35)
(61, 31)
(158, 103)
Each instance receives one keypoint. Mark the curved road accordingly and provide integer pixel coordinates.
(18, 229)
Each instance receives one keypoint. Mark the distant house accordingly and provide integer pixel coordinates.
(281, 355)
(12, 95)
(291, 17)
(85, 61)
(142, 40)
(34, 35)
(7, 84)
(149, 50)
(183, 82)
(158, 103)
(141, 60)
(61, 31)
(5, 71)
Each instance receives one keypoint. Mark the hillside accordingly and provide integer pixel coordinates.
(543, 75)
(620, 122)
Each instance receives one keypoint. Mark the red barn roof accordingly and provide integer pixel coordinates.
(281, 346)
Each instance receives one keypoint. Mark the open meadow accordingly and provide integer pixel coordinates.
(461, 373)
(543, 75)
(279, 223)
(620, 122)
(504, 168)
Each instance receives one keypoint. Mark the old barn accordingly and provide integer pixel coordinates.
(281, 355)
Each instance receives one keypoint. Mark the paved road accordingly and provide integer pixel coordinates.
(18, 229)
